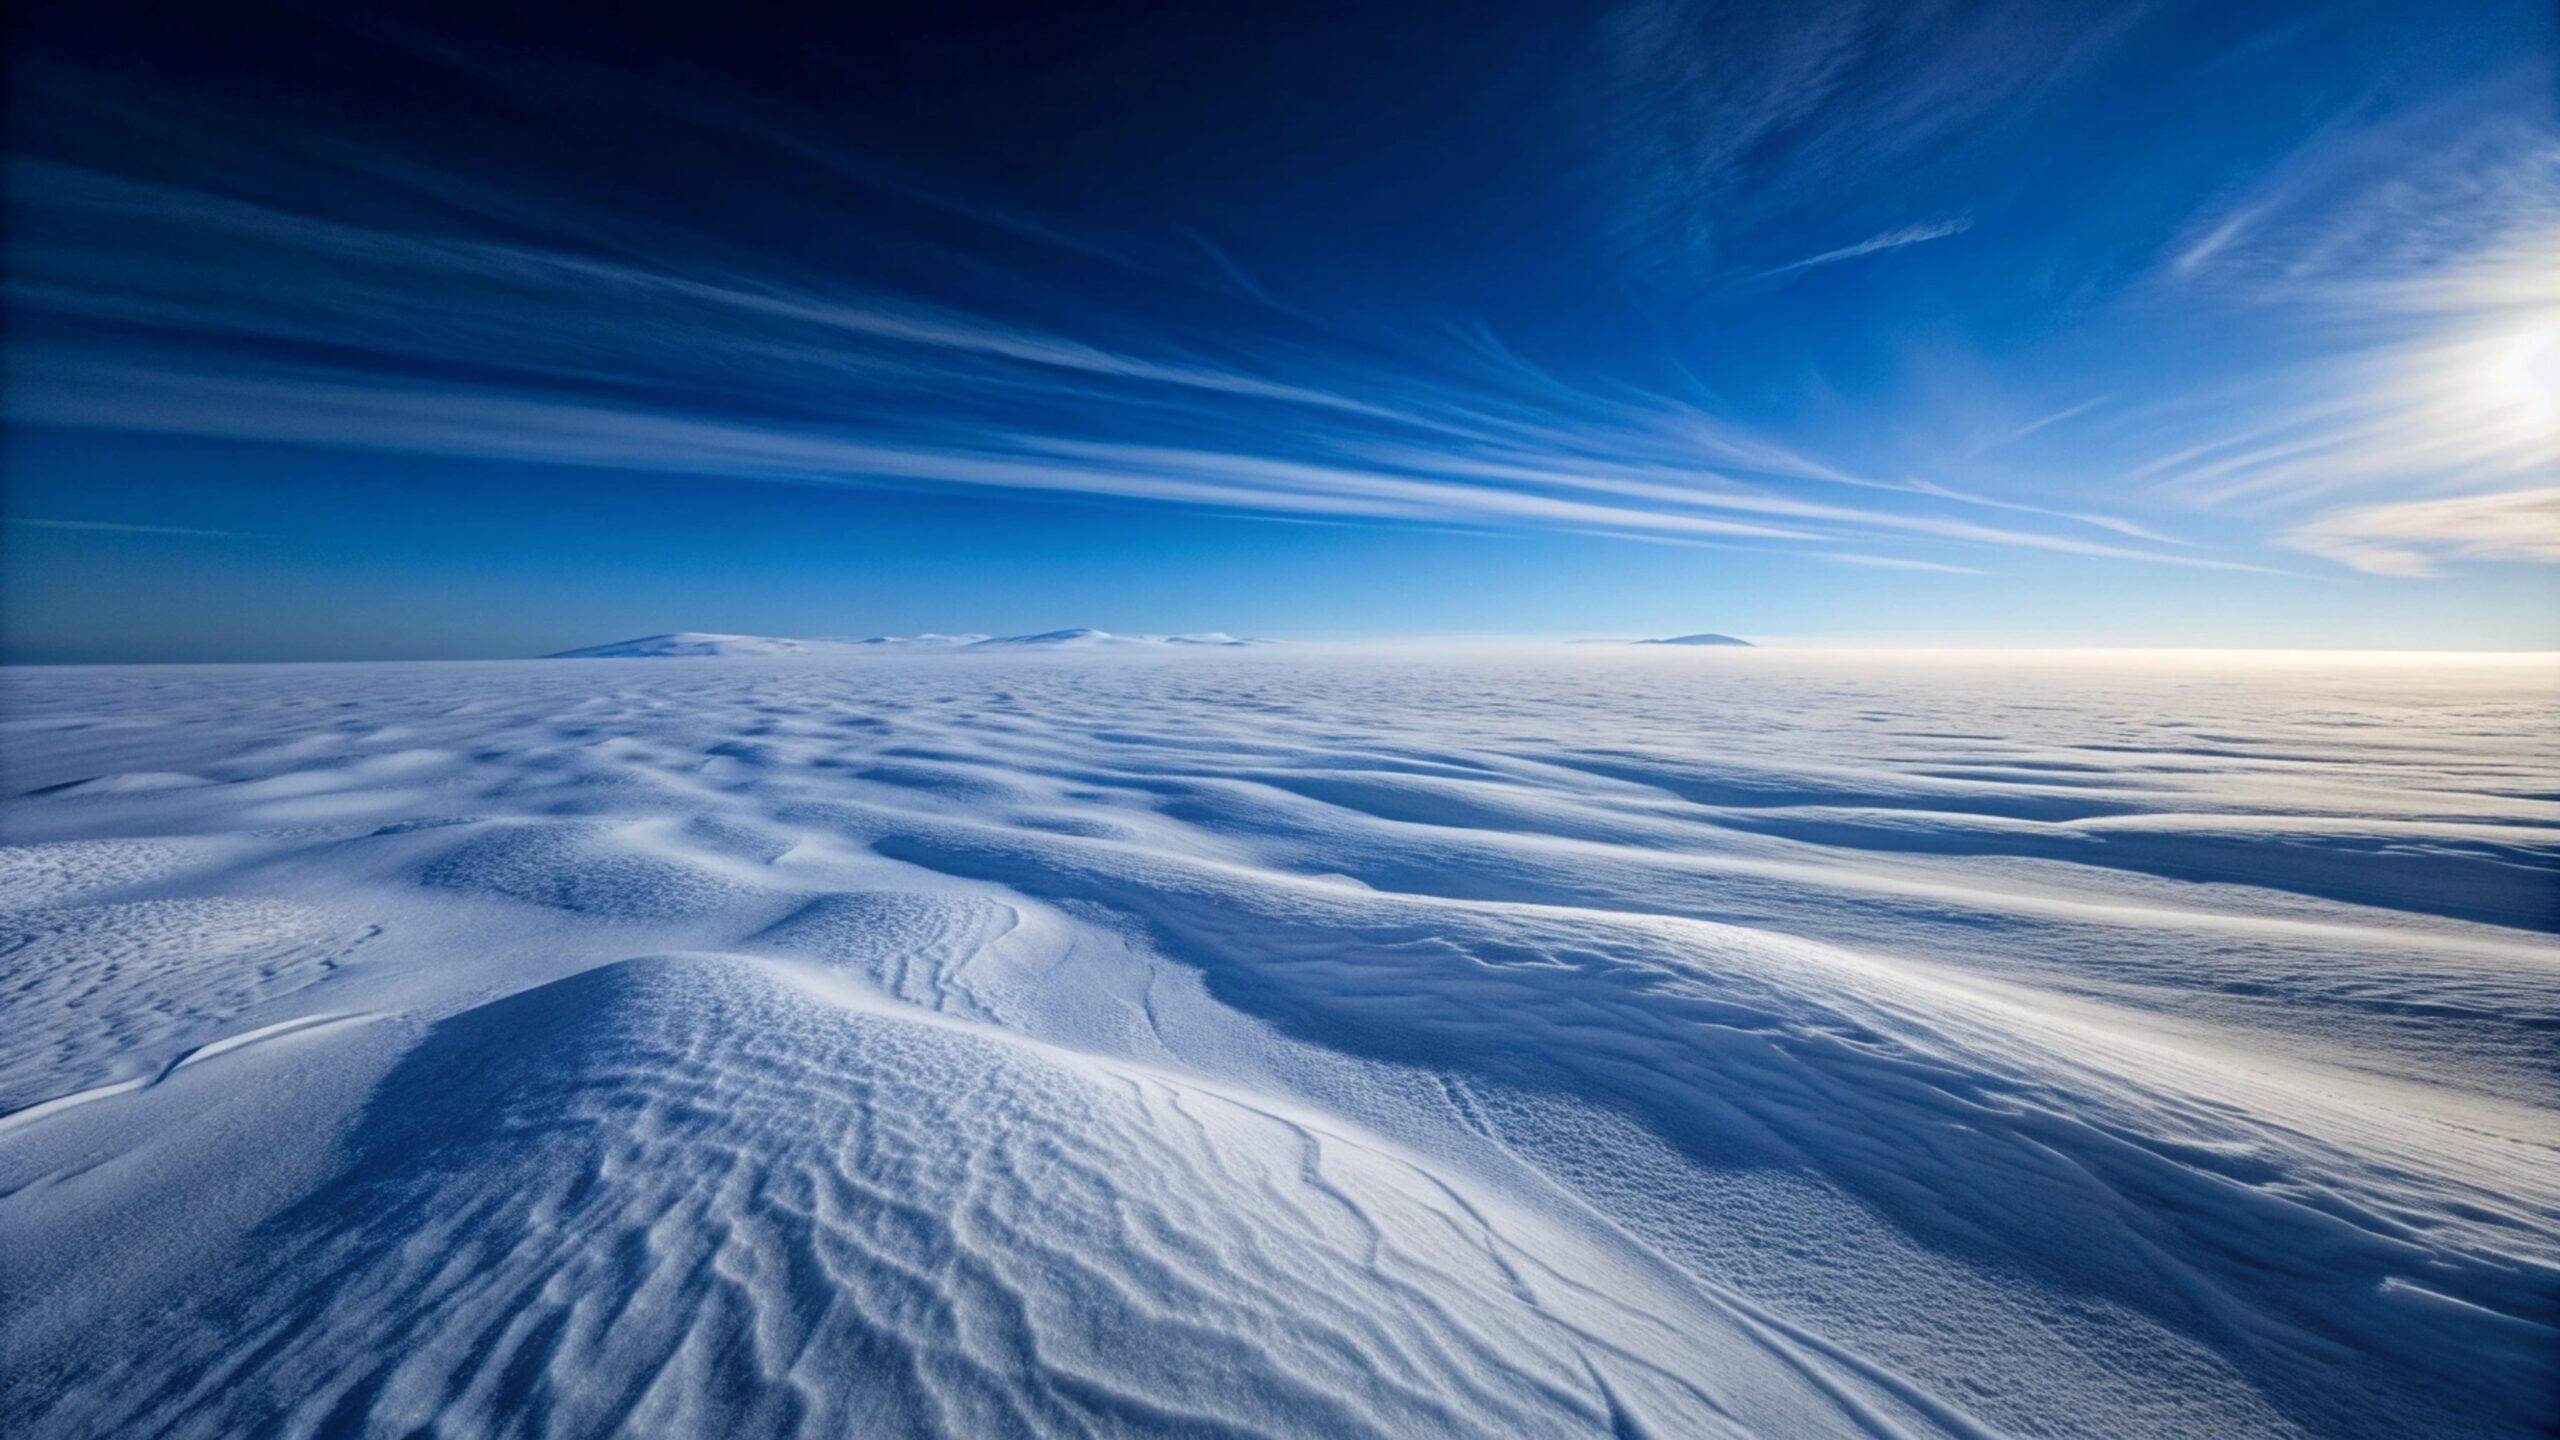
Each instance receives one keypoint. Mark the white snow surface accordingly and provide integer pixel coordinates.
(1281, 1043)
(691, 644)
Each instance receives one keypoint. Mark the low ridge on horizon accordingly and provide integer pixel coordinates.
(695, 644)
(1703, 637)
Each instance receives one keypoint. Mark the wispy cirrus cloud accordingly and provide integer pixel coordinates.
(2411, 538)
(2367, 201)
(1727, 117)
(269, 323)
(1894, 239)
(2082, 517)
(114, 527)
(1896, 562)
(2416, 259)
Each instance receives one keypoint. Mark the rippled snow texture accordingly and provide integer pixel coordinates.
(1282, 1044)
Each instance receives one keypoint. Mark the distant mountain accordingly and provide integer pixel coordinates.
(926, 641)
(688, 644)
(1699, 639)
(695, 644)
(1105, 640)
(1079, 639)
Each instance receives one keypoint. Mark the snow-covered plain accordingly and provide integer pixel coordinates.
(1213, 1042)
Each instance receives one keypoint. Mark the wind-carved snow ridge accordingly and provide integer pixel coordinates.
(1309, 1045)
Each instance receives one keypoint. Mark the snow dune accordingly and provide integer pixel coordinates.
(1288, 1044)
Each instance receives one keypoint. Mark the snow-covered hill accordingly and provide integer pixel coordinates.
(691, 644)
(1703, 638)
(1081, 639)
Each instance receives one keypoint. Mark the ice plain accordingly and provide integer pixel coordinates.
(1195, 1041)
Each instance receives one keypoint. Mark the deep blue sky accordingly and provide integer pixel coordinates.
(400, 333)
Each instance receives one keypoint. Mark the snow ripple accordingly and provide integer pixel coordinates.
(1272, 1043)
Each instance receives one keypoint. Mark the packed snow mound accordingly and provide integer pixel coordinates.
(1701, 638)
(716, 1195)
(694, 644)
(1323, 1045)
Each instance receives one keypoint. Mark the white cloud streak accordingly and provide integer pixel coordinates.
(1874, 244)
(2464, 398)
(2408, 538)
(1892, 562)
(463, 346)
(39, 522)
(1727, 116)
(2419, 259)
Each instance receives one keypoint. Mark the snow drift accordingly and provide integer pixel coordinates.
(1309, 1045)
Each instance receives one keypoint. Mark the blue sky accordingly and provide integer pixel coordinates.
(411, 334)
